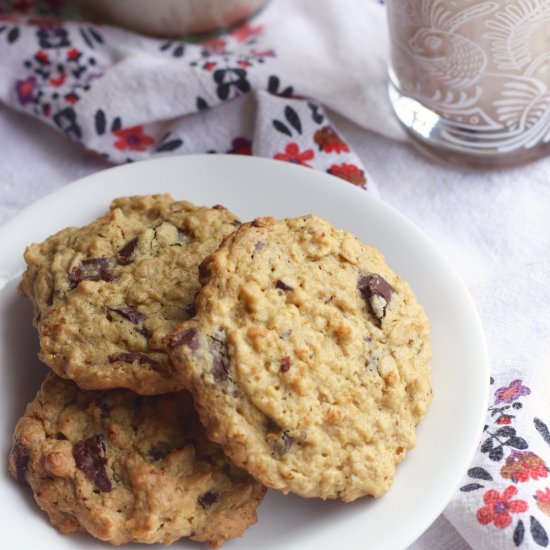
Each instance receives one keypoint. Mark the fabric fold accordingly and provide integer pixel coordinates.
(260, 88)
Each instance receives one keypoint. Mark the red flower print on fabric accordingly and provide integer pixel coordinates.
(498, 508)
(543, 500)
(41, 56)
(329, 141)
(509, 394)
(246, 32)
(523, 465)
(508, 458)
(71, 99)
(58, 72)
(240, 146)
(133, 139)
(292, 154)
(349, 172)
(214, 46)
(73, 54)
(56, 82)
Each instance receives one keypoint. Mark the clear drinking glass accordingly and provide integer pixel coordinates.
(470, 79)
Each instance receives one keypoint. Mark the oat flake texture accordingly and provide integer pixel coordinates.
(129, 468)
(107, 294)
(308, 358)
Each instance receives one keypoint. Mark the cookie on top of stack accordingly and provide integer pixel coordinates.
(307, 357)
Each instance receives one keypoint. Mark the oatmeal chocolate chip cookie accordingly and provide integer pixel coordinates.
(129, 468)
(308, 358)
(106, 295)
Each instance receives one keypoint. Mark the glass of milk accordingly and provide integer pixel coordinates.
(470, 79)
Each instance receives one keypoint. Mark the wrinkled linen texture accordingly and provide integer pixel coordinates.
(274, 87)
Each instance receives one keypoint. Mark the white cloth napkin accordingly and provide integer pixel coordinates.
(143, 99)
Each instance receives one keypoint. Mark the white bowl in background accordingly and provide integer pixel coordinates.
(171, 17)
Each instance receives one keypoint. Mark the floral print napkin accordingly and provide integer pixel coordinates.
(508, 486)
(128, 97)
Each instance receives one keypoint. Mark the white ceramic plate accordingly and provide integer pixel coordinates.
(251, 187)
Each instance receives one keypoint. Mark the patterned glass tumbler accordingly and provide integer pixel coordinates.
(470, 79)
